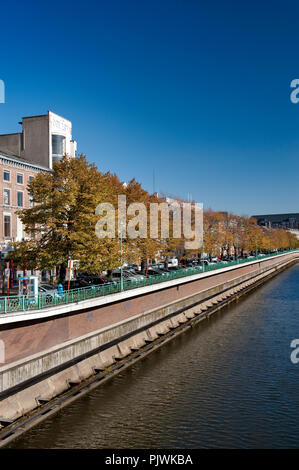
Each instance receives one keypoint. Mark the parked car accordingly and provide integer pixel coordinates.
(155, 272)
(130, 269)
(127, 276)
(173, 262)
(75, 284)
(205, 261)
(81, 274)
(133, 266)
(94, 280)
(134, 274)
(47, 290)
(173, 268)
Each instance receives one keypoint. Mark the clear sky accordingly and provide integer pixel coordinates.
(196, 91)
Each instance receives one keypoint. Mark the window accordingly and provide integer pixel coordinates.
(30, 201)
(6, 175)
(19, 198)
(20, 178)
(6, 197)
(7, 225)
(30, 179)
(58, 146)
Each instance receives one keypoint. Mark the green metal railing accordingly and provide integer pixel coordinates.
(22, 303)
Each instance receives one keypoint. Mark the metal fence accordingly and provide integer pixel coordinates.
(22, 303)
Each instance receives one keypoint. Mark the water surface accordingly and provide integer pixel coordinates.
(228, 383)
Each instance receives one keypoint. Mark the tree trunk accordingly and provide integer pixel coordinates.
(166, 262)
(143, 265)
(62, 272)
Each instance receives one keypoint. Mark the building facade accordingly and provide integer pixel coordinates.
(15, 174)
(286, 221)
(44, 139)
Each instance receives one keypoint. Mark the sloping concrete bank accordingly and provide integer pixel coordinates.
(36, 378)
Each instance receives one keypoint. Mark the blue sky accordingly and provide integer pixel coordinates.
(197, 92)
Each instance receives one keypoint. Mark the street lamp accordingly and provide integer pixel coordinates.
(121, 256)
(202, 253)
(237, 247)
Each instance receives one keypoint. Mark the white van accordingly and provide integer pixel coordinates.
(172, 262)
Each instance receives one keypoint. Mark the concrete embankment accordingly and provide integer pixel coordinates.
(48, 353)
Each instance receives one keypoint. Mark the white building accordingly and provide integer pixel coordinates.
(43, 140)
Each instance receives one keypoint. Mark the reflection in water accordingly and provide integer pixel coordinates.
(227, 383)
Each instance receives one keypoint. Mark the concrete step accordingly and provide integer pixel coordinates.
(42, 400)
(5, 422)
(73, 383)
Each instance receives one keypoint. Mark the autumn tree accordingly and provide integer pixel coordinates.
(61, 223)
(144, 247)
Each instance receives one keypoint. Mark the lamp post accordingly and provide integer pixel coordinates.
(202, 253)
(121, 256)
(237, 247)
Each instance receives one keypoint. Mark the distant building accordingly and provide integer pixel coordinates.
(286, 221)
(43, 140)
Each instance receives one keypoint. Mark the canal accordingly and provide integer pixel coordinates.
(228, 383)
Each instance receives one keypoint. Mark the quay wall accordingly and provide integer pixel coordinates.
(46, 352)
